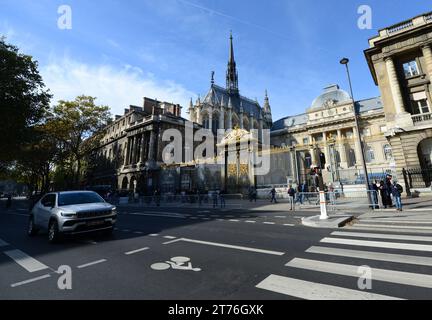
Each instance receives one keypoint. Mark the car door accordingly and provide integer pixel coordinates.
(46, 206)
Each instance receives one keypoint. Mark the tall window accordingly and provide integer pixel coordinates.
(369, 153)
(420, 106)
(388, 153)
(366, 132)
(411, 69)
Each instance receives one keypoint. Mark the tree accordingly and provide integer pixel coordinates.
(23, 101)
(76, 125)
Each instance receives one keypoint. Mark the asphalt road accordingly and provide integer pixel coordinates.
(216, 255)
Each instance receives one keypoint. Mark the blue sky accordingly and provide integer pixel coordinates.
(121, 51)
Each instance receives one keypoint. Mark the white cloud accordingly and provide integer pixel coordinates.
(117, 87)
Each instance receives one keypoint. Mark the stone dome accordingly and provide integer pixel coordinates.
(332, 95)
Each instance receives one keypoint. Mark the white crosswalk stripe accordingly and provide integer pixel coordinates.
(406, 278)
(379, 244)
(315, 291)
(370, 255)
(382, 236)
(342, 251)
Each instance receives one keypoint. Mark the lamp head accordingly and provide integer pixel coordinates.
(344, 61)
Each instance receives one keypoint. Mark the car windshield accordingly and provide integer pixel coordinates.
(68, 199)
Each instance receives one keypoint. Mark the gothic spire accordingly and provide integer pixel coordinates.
(232, 75)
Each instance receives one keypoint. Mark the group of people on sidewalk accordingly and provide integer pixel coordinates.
(389, 191)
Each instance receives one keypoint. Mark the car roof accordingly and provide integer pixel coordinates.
(74, 192)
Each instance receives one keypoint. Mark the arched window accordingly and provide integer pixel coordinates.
(388, 153)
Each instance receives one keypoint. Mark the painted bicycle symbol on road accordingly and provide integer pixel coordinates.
(176, 263)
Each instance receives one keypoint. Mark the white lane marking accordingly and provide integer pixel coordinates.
(234, 220)
(153, 235)
(269, 223)
(398, 221)
(371, 255)
(170, 237)
(215, 244)
(91, 263)
(280, 216)
(378, 244)
(315, 291)
(289, 224)
(164, 215)
(220, 220)
(381, 236)
(250, 221)
(384, 226)
(25, 261)
(30, 281)
(125, 230)
(399, 277)
(136, 251)
(3, 243)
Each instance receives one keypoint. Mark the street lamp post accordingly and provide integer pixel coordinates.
(345, 62)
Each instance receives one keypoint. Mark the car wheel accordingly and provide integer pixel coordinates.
(31, 229)
(53, 232)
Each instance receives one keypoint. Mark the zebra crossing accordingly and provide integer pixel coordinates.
(400, 266)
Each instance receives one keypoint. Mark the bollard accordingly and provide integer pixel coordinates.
(323, 206)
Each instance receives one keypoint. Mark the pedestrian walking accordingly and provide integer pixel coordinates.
(385, 194)
(374, 189)
(273, 195)
(222, 199)
(291, 196)
(215, 199)
(396, 190)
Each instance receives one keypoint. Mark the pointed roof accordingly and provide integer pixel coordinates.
(212, 97)
(232, 75)
(266, 107)
(231, 55)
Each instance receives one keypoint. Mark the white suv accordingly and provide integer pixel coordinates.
(73, 212)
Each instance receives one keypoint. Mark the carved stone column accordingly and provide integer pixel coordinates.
(427, 53)
(341, 147)
(394, 86)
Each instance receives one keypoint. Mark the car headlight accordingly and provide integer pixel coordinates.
(68, 214)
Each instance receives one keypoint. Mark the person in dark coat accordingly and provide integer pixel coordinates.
(383, 193)
(273, 195)
(396, 191)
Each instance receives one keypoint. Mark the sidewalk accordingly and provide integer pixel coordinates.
(416, 217)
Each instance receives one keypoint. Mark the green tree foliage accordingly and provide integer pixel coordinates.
(75, 124)
(23, 102)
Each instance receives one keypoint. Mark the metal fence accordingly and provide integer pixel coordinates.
(339, 200)
(417, 178)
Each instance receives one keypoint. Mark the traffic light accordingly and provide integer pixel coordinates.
(322, 160)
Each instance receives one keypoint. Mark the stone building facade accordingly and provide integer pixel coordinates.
(328, 127)
(400, 61)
